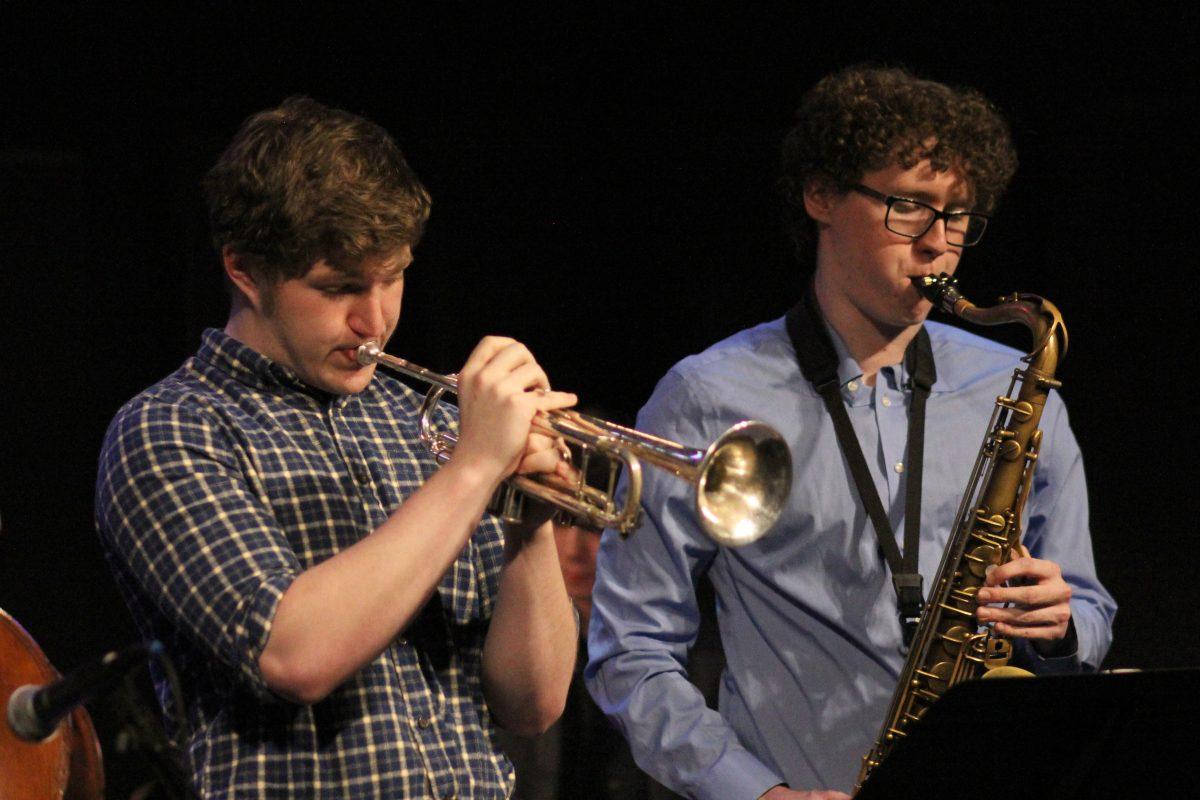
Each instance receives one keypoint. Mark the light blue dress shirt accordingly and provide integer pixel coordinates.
(807, 614)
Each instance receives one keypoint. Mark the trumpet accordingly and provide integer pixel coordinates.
(740, 482)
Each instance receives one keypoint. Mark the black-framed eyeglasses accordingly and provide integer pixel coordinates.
(912, 218)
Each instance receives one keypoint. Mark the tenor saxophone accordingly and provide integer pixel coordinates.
(950, 645)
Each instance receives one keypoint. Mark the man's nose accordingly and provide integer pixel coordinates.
(933, 241)
(368, 316)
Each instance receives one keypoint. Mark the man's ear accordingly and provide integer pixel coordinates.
(819, 198)
(237, 270)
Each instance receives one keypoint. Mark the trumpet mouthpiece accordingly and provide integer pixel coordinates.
(367, 354)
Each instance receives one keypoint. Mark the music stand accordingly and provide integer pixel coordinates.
(1078, 736)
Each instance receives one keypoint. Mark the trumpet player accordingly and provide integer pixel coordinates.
(345, 618)
(885, 177)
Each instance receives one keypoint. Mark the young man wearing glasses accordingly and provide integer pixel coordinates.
(886, 178)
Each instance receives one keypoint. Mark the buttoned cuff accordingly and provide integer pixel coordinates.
(736, 775)
(1054, 658)
(1064, 647)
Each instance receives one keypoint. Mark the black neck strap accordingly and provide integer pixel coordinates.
(819, 363)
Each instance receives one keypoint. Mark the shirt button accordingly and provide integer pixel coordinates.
(899, 466)
(887, 401)
(852, 386)
(360, 473)
(424, 722)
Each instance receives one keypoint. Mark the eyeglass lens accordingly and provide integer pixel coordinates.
(910, 218)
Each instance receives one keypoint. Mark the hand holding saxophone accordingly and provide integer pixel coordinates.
(501, 389)
(1026, 597)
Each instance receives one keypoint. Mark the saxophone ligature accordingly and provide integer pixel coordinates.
(950, 644)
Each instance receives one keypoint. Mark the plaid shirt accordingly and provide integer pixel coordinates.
(217, 487)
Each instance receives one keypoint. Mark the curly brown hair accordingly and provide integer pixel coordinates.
(866, 117)
(304, 182)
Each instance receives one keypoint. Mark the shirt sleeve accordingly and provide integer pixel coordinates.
(645, 618)
(178, 512)
(1058, 531)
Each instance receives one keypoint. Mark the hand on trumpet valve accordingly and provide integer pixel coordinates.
(501, 389)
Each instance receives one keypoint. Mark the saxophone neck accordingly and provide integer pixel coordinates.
(1036, 313)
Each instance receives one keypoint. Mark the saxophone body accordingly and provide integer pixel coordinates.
(950, 644)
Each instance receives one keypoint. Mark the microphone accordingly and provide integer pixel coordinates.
(34, 712)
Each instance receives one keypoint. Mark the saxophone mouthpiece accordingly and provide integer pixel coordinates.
(942, 291)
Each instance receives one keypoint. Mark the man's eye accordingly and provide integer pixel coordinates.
(907, 207)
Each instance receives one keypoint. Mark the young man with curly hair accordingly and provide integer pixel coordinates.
(345, 618)
(886, 177)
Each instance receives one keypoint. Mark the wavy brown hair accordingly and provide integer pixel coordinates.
(303, 182)
(865, 118)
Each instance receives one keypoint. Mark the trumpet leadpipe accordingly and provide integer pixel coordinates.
(371, 353)
(740, 482)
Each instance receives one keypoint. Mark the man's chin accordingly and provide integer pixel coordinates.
(916, 314)
(346, 383)
(357, 385)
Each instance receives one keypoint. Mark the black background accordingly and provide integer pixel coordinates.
(602, 179)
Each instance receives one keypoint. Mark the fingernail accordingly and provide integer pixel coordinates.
(983, 595)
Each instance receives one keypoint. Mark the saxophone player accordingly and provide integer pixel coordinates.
(885, 176)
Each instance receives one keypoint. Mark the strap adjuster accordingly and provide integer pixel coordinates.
(910, 596)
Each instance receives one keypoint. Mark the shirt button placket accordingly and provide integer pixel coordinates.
(893, 430)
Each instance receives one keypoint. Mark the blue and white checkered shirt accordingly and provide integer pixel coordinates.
(217, 487)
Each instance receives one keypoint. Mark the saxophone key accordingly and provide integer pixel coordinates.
(953, 638)
(938, 676)
(964, 594)
(996, 522)
(956, 610)
(981, 557)
(1010, 450)
(999, 652)
(1021, 409)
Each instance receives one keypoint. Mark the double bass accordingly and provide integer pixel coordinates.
(67, 765)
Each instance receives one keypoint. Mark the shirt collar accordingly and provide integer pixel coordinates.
(850, 373)
(848, 368)
(246, 365)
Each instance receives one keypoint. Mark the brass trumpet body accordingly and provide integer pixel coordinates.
(950, 645)
(740, 482)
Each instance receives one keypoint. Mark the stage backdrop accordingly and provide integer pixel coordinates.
(603, 190)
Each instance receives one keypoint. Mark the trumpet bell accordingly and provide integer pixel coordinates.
(740, 482)
(744, 482)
